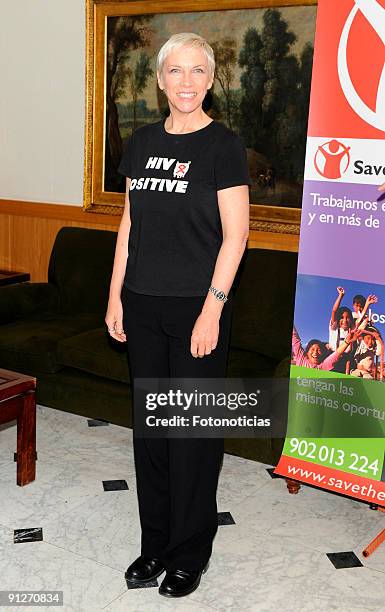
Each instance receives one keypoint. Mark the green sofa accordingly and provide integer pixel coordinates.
(56, 332)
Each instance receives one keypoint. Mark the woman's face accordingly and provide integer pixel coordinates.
(185, 78)
(314, 354)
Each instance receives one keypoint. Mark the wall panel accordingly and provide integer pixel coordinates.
(28, 231)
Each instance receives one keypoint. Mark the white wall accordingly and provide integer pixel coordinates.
(42, 64)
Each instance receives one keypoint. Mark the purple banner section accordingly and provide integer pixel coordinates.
(342, 232)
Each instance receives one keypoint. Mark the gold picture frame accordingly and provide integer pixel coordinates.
(263, 217)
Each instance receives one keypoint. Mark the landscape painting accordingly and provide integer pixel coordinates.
(261, 89)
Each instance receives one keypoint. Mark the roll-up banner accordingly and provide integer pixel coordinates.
(336, 420)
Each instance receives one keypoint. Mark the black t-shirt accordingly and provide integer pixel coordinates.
(176, 229)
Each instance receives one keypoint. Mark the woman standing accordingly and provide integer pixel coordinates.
(181, 238)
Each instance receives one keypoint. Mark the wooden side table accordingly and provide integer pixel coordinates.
(17, 401)
(9, 278)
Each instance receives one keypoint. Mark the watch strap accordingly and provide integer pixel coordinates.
(220, 295)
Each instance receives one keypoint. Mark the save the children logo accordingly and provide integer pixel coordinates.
(374, 13)
(332, 159)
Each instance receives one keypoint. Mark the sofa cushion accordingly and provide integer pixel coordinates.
(264, 303)
(80, 266)
(283, 368)
(94, 352)
(26, 300)
(247, 364)
(30, 345)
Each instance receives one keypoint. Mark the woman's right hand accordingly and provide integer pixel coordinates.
(114, 319)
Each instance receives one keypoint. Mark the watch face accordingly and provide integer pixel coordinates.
(220, 295)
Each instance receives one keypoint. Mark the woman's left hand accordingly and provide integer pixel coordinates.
(204, 337)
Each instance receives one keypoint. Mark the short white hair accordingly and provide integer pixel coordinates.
(185, 39)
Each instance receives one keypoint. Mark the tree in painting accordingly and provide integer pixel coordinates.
(278, 83)
(138, 78)
(225, 53)
(124, 34)
(253, 77)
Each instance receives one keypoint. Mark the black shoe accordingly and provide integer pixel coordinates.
(144, 569)
(178, 583)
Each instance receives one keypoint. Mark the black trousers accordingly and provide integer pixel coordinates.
(176, 478)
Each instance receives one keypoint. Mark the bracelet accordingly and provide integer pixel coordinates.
(220, 295)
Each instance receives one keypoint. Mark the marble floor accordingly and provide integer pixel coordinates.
(270, 553)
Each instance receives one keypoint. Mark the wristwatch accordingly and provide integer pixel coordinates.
(220, 295)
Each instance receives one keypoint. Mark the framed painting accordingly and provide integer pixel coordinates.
(263, 51)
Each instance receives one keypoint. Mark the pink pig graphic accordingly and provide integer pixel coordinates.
(181, 169)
